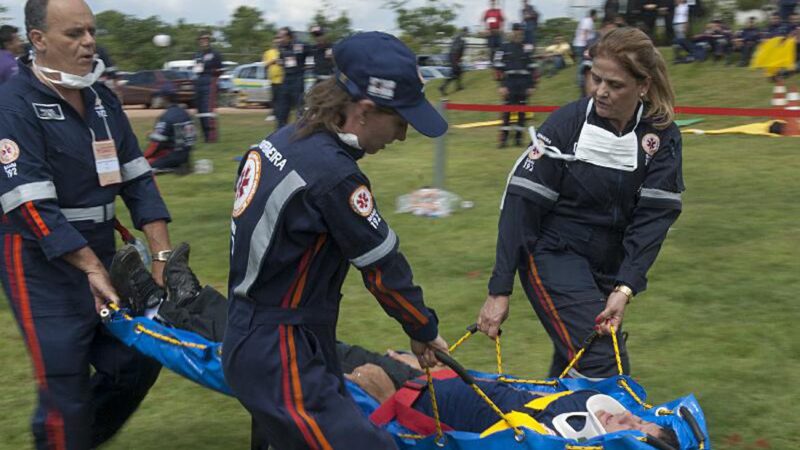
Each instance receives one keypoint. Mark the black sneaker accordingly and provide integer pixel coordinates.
(135, 286)
(182, 284)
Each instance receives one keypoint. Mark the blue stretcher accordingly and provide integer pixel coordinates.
(199, 360)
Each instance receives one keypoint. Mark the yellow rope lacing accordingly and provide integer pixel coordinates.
(434, 404)
(461, 340)
(142, 329)
(499, 357)
(498, 411)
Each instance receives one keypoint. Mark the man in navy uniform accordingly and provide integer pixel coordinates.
(514, 61)
(173, 135)
(67, 151)
(207, 67)
(304, 212)
(323, 54)
(293, 55)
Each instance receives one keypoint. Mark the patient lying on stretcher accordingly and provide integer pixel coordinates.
(579, 414)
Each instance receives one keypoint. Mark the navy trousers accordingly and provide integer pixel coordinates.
(288, 378)
(206, 100)
(55, 311)
(567, 278)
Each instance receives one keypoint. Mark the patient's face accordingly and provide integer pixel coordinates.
(627, 421)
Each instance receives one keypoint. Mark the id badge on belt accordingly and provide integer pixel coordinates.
(106, 162)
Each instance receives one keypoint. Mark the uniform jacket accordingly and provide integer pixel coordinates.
(208, 63)
(49, 166)
(515, 61)
(174, 130)
(294, 59)
(323, 59)
(587, 201)
(303, 213)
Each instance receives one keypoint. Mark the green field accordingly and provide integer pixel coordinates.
(716, 321)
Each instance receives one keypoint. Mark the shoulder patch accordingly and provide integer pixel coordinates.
(650, 143)
(48, 111)
(247, 184)
(9, 151)
(361, 201)
(534, 151)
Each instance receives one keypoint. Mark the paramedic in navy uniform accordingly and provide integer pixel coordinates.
(207, 68)
(303, 213)
(67, 151)
(588, 206)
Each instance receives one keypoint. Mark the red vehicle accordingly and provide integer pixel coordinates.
(139, 88)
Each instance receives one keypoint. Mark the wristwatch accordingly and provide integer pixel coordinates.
(162, 255)
(625, 290)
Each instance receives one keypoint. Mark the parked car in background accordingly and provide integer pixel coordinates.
(433, 72)
(225, 81)
(139, 88)
(187, 65)
(251, 84)
(433, 60)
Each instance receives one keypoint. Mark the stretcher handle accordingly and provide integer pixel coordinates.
(657, 443)
(472, 329)
(453, 364)
(689, 417)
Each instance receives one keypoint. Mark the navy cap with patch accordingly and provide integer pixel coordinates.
(379, 67)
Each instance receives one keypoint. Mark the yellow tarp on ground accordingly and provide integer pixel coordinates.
(774, 55)
(490, 123)
(752, 129)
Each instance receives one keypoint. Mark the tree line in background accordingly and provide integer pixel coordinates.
(426, 30)
(128, 39)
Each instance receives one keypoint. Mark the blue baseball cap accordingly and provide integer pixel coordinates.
(379, 67)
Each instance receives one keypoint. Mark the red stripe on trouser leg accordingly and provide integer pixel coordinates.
(287, 390)
(549, 307)
(54, 422)
(298, 394)
(212, 105)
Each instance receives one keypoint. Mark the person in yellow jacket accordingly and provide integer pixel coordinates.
(274, 64)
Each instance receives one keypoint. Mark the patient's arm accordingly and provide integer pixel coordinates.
(374, 380)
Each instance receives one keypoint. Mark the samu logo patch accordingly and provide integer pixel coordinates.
(48, 111)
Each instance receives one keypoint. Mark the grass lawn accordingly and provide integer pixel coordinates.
(716, 320)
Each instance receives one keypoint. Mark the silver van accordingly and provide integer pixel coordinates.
(251, 85)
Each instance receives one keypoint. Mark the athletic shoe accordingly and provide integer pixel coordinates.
(135, 286)
(182, 284)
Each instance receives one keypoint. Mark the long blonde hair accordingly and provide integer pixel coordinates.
(633, 50)
(326, 109)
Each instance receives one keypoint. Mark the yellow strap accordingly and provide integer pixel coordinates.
(540, 403)
(515, 419)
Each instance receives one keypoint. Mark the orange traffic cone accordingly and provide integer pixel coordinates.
(792, 104)
(778, 94)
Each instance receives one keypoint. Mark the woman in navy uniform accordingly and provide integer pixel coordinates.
(303, 213)
(67, 152)
(588, 205)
